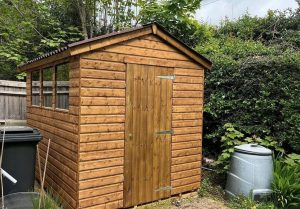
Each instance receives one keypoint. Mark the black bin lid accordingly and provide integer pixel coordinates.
(16, 129)
(19, 134)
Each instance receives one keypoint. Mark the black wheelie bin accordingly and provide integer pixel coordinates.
(19, 156)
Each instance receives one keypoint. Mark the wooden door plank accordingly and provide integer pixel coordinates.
(150, 134)
(163, 138)
(128, 137)
(168, 149)
(157, 138)
(136, 133)
(143, 133)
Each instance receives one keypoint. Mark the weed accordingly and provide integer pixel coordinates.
(49, 201)
(242, 202)
(208, 189)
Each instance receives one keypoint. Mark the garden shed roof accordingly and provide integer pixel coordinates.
(113, 38)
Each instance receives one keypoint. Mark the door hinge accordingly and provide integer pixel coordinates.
(169, 77)
(165, 132)
(164, 188)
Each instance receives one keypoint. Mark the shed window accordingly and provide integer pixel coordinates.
(35, 88)
(62, 86)
(47, 87)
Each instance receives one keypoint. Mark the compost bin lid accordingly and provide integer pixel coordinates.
(19, 134)
(254, 149)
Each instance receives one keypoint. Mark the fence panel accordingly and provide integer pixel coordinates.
(12, 100)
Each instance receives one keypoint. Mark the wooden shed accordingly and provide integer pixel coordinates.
(124, 114)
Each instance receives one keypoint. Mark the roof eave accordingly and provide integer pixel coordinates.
(51, 58)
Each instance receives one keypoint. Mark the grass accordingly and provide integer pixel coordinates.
(49, 201)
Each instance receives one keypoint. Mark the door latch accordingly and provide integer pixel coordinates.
(164, 188)
(165, 132)
(168, 77)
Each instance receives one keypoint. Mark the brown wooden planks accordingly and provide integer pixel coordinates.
(187, 125)
(147, 154)
(101, 122)
(62, 127)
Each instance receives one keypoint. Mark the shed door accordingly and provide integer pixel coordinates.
(147, 134)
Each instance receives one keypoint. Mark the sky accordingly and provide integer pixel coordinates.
(213, 11)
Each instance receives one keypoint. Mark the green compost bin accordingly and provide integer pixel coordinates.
(19, 156)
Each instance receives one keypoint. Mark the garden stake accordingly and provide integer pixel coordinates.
(2, 148)
(40, 170)
(44, 174)
(39, 161)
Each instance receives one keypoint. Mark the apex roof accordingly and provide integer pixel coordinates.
(113, 38)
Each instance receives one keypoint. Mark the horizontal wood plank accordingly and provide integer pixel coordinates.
(102, 83)
(101, 137)
(111, 162)
(185, 174)
(102, 65)
(94, 192)
(102, 119)
(98, 155)
(98, 182)
(102, 74)
(98, 146)
(98, 173)
(102, 110)
(94, 201)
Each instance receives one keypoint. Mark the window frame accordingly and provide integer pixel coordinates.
(55, 84)
(31, 90)
(54, 87)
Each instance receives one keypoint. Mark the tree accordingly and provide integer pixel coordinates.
(27, 30)
(176, 16)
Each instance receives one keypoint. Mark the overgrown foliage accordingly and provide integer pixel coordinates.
(232, 137)
(255, 80)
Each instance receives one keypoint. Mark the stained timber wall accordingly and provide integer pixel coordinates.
(87, 152)
(62, 127)
(102, 119)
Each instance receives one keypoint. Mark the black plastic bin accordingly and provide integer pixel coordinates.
(19, 157)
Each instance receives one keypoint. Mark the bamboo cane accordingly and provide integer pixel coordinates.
(1, 158)
(44, 174)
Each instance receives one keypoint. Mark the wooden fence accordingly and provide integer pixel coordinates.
(12, 100)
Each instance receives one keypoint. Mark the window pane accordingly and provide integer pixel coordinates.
(47, 87)
(62, 86)
(35, 88)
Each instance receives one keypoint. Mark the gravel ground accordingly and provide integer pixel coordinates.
(201, 203)
(190, 201)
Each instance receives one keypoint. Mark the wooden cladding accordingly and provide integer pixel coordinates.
(133, 131)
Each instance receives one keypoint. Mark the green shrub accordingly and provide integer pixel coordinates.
(292, 159)
(232, 138)
(286, 185)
